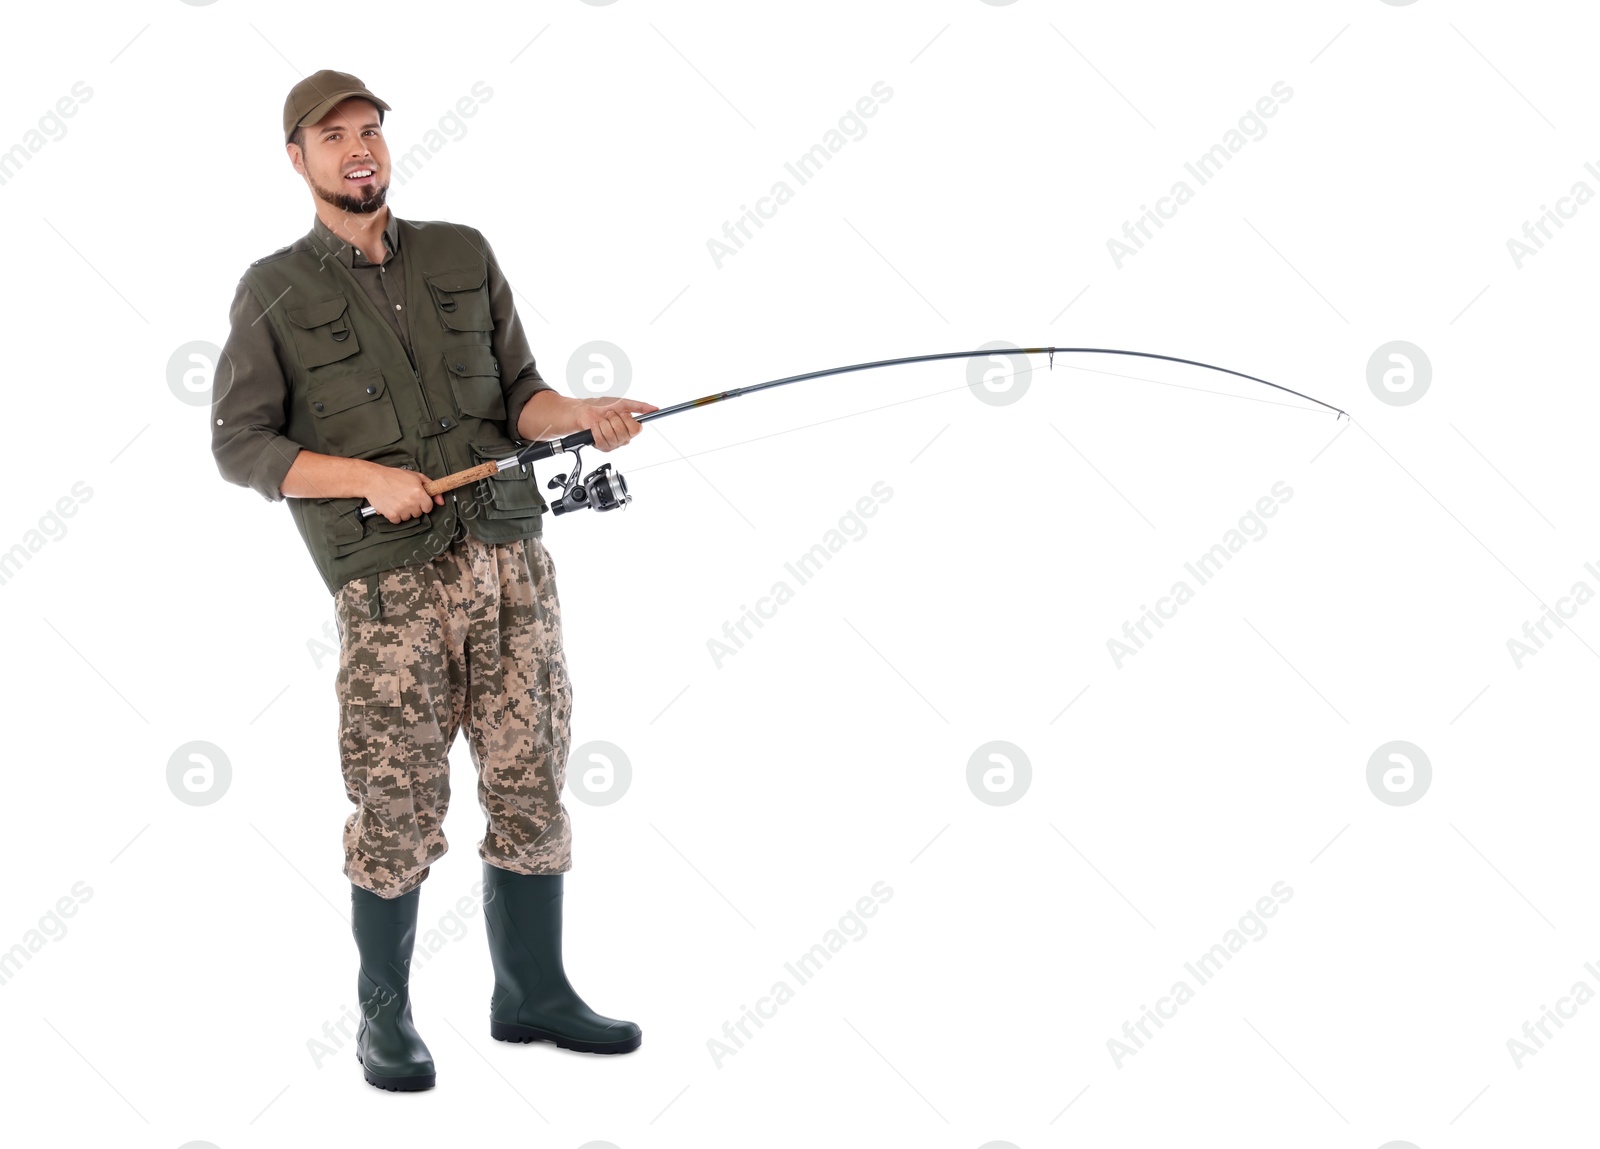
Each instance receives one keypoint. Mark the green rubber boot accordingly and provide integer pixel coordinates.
(391, 1053)
(533, 1001)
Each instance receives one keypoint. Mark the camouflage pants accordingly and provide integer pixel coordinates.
(471, 638)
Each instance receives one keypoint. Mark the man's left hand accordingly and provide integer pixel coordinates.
(611, 420)
(551, 416)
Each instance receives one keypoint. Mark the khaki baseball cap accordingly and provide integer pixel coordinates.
(318, 94)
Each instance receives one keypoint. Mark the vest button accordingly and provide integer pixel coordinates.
(462, 367)
(444, 422)
(316, 406)
(372, 390)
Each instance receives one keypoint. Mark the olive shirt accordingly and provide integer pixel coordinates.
(251, 408)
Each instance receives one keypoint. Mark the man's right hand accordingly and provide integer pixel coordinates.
(398, 494)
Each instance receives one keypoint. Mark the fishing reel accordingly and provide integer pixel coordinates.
(603, 488)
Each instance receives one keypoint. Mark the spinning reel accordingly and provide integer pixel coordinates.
(603, 488)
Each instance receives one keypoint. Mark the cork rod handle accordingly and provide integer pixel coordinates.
(461, 478)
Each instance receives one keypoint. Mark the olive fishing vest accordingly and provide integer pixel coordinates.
(354, 392)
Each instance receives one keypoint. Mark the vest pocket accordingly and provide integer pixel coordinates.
(475, 379)
(462, 299)
(322, 331)
(354, 413)
(512, 494)
(348, 532)
(345, 529)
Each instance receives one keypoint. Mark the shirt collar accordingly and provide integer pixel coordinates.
(335, 247)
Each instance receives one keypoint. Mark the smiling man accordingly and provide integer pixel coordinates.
(368, 355)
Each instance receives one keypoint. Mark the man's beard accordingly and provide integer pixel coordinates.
(369, 201)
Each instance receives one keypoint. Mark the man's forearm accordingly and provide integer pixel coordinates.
(548, 415)
(315, 476)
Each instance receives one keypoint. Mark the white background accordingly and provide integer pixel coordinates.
(831, 752)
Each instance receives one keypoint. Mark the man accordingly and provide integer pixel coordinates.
(368, 355)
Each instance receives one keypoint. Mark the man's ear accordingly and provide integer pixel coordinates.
(296, 158)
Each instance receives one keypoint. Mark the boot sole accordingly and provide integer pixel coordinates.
(506, 1031)
(397, 1084)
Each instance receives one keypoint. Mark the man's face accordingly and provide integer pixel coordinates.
(345, 158)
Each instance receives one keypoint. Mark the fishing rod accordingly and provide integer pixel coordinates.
(605, 489)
